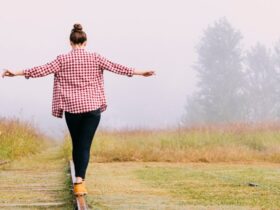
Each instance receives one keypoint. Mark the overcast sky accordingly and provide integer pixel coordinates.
(147, 34)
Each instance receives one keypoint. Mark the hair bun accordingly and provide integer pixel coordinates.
(77, 27)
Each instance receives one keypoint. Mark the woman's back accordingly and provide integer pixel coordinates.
(79, 70)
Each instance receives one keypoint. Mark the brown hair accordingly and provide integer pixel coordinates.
(78, 36)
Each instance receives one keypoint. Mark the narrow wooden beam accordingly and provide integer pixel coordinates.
(80, 200)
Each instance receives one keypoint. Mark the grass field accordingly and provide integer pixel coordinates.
(197, 168)
(224, 143)
(198, 186)
(19, 139)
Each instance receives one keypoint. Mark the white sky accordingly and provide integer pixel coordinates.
(146, 34)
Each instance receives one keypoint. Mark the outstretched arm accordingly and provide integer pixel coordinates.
(10, 73)
(144, 73)
(120, 69)
(39, 71)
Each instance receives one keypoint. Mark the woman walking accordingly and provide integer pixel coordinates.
(78, 92)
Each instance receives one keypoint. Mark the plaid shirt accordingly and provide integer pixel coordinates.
(78, 81)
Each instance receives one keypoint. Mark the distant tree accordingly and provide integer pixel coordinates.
(194, 111)
(220, 94)
(261, 81)
(276, 74)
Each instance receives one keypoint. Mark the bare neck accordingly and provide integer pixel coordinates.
(78, 46)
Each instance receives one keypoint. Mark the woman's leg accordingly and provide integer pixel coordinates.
(73, 122)
(89, 124)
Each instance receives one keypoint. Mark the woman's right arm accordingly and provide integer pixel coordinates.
(11, 73)
(38, 71)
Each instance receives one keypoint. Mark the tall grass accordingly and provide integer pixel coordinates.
(18, 139)
(217, 143)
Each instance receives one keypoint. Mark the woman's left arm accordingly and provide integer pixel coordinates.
(39, 71)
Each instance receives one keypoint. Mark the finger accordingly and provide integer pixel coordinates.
(3, 74)
(8, 73)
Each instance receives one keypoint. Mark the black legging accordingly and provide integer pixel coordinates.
(82, 127)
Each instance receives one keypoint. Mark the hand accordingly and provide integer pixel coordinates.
(148, 73)
(8, 73)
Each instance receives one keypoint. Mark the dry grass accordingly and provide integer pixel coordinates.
(18, 139)
(217, 143)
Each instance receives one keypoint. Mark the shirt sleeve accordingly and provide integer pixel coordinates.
(114, 67)
(41, 71)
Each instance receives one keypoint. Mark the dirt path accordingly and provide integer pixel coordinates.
(35, 182)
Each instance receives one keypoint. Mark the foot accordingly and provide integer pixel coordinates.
(80, 188)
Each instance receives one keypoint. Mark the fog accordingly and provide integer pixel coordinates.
(148, 34)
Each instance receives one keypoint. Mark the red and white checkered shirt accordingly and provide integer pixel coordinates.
(78, 80)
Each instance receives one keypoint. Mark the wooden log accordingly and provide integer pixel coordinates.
(80, 201)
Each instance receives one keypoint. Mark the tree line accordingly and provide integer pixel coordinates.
(234, 85)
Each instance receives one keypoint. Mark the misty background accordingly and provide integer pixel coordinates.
(205, 53)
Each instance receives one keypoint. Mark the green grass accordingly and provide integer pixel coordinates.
(180, 186)
(19, 139)
(216, 185)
